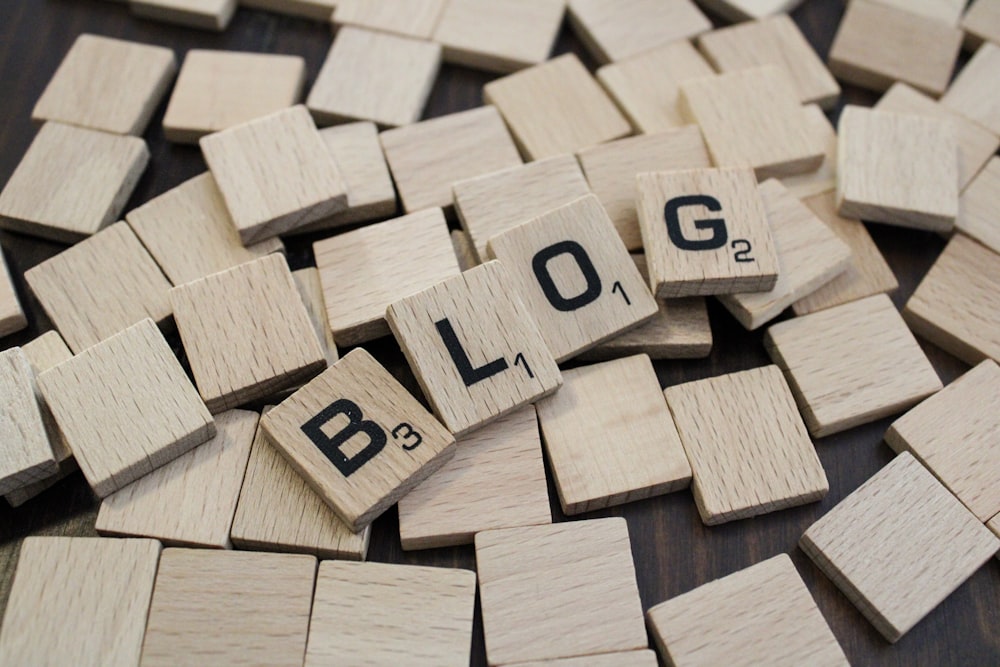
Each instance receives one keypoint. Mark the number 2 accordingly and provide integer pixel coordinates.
(742, 248)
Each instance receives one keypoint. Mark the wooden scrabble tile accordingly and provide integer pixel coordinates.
(643, 658)
(754, 455)
(973, 93)
(946, 11)
(810, 255)
(614, 31)
(824, 178)
(71, 183)
(79, 601)
(216, 90)
(474, 349)
(556, 107)
(465, 252)
(851, 364)
(374, 76)
(609, 436)
(27, 456)
(275, 174)
(494, 203)
(277, 511)
(899, 545)
(427, 157)
(954, 306)
(981, 23)
(978, 206)
(762, 615)
(899, 169)
(558, 591)
(12, 318)
(611, 169)
(100, 286)
(994, 525)
(679, 330)
(877, 45)
(423, 613)
(204, 14)
(47, 351)
(575, 276)
(495, 480)
(646, 87)
(752, 118)
(107, 84)
(358, 483)
(748, 10)
(364, 270)
(776, 41)
(191, 500)
(413, 18)
(499, 35)
(246, 332)
(222, 607)
(693, 263)
(317, 10)
(307, 281)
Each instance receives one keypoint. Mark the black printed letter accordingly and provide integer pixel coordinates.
(540, 264)
(331, 446)
(470, 375)
(717, 225)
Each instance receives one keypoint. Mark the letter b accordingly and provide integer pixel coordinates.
(330, 446)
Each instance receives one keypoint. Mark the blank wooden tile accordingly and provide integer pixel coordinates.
(100, 287)
(994, 525)
(613, 31)
(558, 591)
(275, 174)
(427, 157)
(810, 255)
(946, 11)
(824, 178)
(204, 14)
(219, 89)
(414, 18)
(973, 93)
(222, 607)
(752, 118)
(609, 436)
(643, 658)
(877, 45)
(677, 208)
(752, 455)
(899, 545)
(646, 86)
(423, 613)
(358, 483)
(107, 84)
(364, 270)
(12, 316)
(79, 601)
(747, 10)
(71, 183)
(575, 276)
(474, 349)
(761, 615)
(27, 456)
(981, 23)
(773, 41)
(899, 169)
(868, 272)
(191, 500)
(465, 252)
(307, 281)
(611, 169)
(495, 480)
(851, 364)
(955, 305)
(978, 207)
(317, 10)
(556, 107)
(277, 511)
(374, 76)
(47, 351)
(247, 333)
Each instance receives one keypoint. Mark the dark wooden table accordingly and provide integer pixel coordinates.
(673, 551)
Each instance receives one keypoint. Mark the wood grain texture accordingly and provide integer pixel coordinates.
(981, 22)
(27, 456)
(316, 10)
(216, 90)
(203, 14)
(465, 252)
(496, 337)
(973, 93)
(246, 333)
(946, 11)
(495, 480)
(365, 270)
(824, 178)
(556, 107)
(763, 614)
(275, 174)
(71, 182)
(978, 206)
(427, 157)
(423, 613)
(899, 545)
(746, 10)
(100, 287)
(754, 455)
(611, 169)
(851, 364)
(590, 603)
(413, 18)
(191, 500)
(79, 601)
(107, 84)
(374, 76)
(953, 307)
(229, 607)
(12, 317)
(307, 282)
(643, 658)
